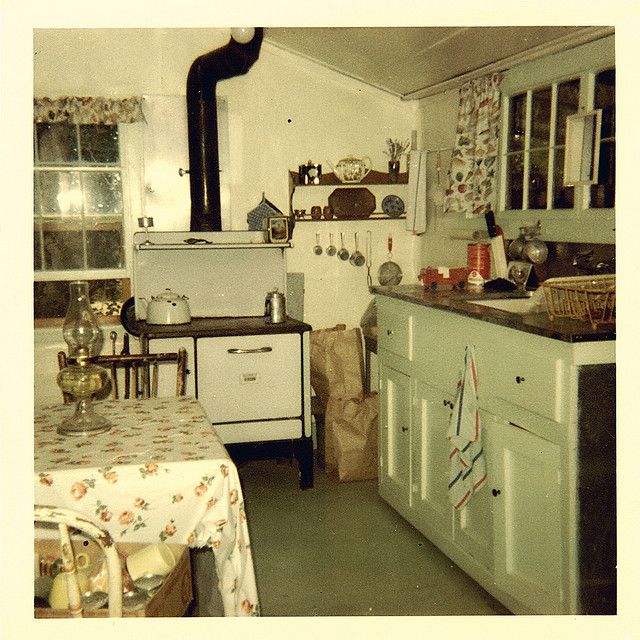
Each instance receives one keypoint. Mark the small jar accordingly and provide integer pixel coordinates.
(394, 171)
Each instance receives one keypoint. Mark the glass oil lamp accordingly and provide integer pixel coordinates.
(81, 378)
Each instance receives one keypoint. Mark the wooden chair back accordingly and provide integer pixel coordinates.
(67, 519)
(140, 373)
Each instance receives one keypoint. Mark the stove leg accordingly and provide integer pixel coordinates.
(303, 450)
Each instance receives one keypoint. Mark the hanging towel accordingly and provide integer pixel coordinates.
(417, 201)
(467, 463)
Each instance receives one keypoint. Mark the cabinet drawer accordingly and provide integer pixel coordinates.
(440, 342)
(527, 379)
(395, 331)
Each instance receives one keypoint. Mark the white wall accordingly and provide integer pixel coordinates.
(283, 112)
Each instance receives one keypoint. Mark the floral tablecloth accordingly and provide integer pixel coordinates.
(160, 474)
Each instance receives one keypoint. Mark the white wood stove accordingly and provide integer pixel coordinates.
(251, 376)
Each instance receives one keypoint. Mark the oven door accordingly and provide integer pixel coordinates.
(250, 378)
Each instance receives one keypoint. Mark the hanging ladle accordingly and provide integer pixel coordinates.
(331, 249)
(317, 249)
(357, 259)
(343, 254)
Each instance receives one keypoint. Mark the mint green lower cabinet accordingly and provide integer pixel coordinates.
(469, 529)
(519, 536)
(516, 535)
(394, 440)
(525, 487)
(430, 504)
(474, 525)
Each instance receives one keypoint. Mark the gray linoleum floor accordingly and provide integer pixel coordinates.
(339, 550)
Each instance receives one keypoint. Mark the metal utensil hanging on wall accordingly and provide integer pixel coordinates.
(389, 272)
(368, 254)
(343, 254)
(357, 259)
(317, 249)
(331, 249)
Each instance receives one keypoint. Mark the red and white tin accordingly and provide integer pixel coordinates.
(479, 259)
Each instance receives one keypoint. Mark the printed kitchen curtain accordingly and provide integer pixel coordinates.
(472, 174)
(88, 110)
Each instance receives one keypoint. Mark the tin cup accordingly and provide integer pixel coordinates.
(479, 259)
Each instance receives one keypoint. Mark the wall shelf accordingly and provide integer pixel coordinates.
(331, 180)
(374, 217)
(373, 178)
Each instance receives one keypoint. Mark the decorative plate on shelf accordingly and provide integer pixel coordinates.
(393, 206)
(354, 203)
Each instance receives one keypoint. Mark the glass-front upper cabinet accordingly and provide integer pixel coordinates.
(603, 193)
(537, 100)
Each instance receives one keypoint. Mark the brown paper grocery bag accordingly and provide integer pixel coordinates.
(336, 363)
(351, 438)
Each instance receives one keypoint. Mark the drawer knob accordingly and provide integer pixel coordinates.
(519, 379)
(404, 429)
(448, 403)
(495, 492)
(389, 332)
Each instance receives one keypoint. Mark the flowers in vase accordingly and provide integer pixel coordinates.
(396, 149)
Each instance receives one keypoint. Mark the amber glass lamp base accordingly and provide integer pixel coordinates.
(82, 382)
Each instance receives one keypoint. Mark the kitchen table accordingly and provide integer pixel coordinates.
(160, 474)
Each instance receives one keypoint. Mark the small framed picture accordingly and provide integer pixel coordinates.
(278, 229)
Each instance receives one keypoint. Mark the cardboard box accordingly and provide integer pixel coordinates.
(171, 600)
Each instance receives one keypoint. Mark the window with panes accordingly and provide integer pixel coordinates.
(78, 216)
(535, 143)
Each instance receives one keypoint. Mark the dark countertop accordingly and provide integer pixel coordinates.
(461, 302)
(215, 327)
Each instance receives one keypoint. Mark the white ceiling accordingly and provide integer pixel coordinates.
(412, 62)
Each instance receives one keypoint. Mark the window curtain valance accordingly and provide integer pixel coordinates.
(88, 110)
(472, 175)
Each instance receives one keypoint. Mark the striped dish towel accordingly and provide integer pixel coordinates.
(467, 464)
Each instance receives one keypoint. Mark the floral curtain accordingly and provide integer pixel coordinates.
(88, 110)
(472, 175)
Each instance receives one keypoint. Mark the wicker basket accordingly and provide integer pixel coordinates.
(588, 298)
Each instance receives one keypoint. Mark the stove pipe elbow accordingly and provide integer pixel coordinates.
(234, 59)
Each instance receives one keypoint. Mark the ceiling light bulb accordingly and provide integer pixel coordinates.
(243, 34)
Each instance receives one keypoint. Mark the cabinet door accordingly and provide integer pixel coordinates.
(394, 437)
(430, 459)
(473, 525)
(525, 486)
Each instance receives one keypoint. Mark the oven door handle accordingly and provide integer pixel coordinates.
(258, 350)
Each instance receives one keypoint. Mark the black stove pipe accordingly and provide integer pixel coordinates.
(207, 70)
